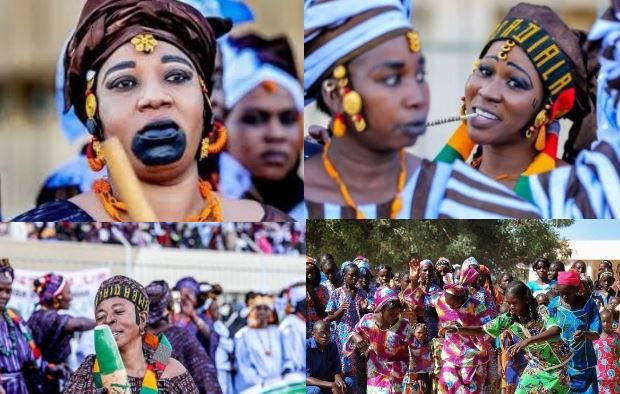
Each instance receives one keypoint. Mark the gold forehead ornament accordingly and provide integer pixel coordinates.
(144, 43)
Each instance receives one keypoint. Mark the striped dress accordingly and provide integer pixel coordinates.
(589, 189)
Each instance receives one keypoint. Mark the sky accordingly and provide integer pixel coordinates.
(591, 230)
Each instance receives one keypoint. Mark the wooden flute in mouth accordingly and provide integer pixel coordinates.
(450, 119)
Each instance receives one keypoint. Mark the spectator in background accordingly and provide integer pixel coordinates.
(52, 331)
(185, 347)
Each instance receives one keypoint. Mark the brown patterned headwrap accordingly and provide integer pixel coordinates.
(105, 25)
(123, 287)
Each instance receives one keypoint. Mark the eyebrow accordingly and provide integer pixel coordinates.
(177, 59)
(515, 66)
(120, 66)
(393, 64)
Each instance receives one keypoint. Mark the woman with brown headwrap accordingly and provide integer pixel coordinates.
(52, 331)
(141, 71)
(185, 346)
(532, 71)
(123, 304)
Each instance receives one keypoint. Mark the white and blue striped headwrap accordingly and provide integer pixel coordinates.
(327, 16)
(607, 31)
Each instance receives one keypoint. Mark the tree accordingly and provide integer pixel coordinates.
(499, 244)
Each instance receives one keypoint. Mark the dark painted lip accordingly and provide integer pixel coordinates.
(414, 128)
(159, 124)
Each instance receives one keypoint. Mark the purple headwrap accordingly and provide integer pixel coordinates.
(48, 287)
(190, 283)
(383, 296)
(160, 298)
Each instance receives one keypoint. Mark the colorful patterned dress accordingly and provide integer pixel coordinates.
(20, 359)
(464, 358)
(582, 367)
(388, 359)
(608, 367)
(323, 294)
(545, 372)
(351, 364)
(423, 299)
(420, 362)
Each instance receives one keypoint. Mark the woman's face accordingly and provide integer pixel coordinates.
(606, 282)
(516, 306)
(542, 271)
(395, 95)
(390, 316)
(263, 312)
(351, 276)
(580, 266)
(506, 94)
(265, 132)
(154, 104)
(442, 270)
(120, 315)
(553, 271)
(310, 273)
(426, 272)
(6, 288)
(505, 280)
(568, 293)
(189, 295)
(383, 276)
(67, 297)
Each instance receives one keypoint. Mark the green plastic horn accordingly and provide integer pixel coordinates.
(111, 367)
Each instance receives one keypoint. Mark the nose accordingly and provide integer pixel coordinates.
(154, 96)
(490, 91)
(415, 96)
(275, 131)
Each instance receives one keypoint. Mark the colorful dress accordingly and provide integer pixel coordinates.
(423, 298)
(582, 367)
(351, 364)
(545, 372)
(388, 358)
(420, 362)
(20, 359)
(464, 358)
(323, 295)
(538, 289)
(608, 367)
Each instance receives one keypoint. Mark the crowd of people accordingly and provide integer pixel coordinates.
(170, 339)
(268, 238)
(446, 328)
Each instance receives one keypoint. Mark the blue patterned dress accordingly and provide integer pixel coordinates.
(345, 325)
(582, 367)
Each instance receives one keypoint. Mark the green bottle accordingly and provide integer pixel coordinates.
(111, 367)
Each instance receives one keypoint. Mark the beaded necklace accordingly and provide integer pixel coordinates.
(212, 212)
(397, 203)
(262, 344)
(7, 351)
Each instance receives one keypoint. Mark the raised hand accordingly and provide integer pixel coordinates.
(414, 270)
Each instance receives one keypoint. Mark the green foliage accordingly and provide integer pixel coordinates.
(500, 244)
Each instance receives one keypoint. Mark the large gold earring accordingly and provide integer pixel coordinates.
(351, 100)
(94, 155)
(219, 135)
